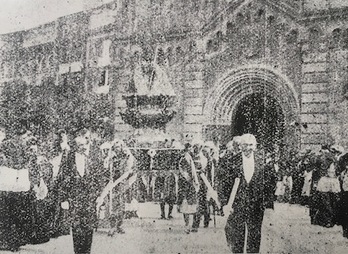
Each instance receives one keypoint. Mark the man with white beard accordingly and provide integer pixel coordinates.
(249, 198)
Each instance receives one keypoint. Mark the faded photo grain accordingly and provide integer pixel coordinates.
(173, 126)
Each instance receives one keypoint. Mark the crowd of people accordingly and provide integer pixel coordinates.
(29, 195)
(50, 190)
(83, 178)
(317, 180)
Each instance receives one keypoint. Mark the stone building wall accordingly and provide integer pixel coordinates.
(296, 50)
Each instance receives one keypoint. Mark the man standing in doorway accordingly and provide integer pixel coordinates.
(252, 197)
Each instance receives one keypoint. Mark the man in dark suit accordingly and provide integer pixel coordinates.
(252, 197)
(225, 173)
(80, 177)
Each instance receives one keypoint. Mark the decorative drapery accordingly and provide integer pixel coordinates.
(149, 167)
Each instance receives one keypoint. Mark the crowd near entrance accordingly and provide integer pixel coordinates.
(82, 180)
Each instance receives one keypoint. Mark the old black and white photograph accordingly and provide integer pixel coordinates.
(173, 126)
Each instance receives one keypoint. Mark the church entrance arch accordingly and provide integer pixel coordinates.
(255, 100)
(260, 115)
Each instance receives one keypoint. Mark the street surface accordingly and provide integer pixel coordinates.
(285, 230)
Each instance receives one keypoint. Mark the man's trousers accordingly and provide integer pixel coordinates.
(236, 227)
(82, 237)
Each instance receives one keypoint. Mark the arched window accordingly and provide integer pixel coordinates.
(179, 53)
(192, 47)
(147, 54)
(219, 40)
(104, 78)
(160, 56)
(259, 15)
(2, 70)
(33, 66)
(229, 29)
(50, 62)
(292, 36)
(314, 33)
(122, 55)
(336, 38)
(64, 30)
(271, 20)
(247, 17)
(169, 55)
(136, 56)
(209, 46)
(239, 18)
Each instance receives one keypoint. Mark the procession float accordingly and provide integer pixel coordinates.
(150, 106)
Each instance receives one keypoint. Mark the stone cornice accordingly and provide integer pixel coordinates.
(323, 15)
(233, 6)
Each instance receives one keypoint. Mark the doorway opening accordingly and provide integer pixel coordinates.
(262, 116)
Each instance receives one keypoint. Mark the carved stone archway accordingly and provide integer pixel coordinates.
(222, 100)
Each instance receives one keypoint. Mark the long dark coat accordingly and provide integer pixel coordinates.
(16, 208)
(225, 176)
(251, 200)
(186, 186)
(82, 192)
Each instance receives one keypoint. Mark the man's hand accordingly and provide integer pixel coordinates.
(65, 205)
(36, 188)
(227, 210)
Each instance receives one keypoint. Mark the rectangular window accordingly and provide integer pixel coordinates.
(104, 78)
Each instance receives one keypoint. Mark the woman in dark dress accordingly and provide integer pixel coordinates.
(41, 203)
(8, 231)
(328, 194)
(321, 163)
(16, 193)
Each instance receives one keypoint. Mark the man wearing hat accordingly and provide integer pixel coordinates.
(251, 198)
(80, 178)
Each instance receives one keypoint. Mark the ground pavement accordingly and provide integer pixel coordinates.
(287, 229)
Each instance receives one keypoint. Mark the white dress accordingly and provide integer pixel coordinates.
(306, 189)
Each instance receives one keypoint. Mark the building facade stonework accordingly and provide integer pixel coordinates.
(287, 57)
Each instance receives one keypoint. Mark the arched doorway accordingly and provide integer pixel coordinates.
(254, 99)
(262, 116)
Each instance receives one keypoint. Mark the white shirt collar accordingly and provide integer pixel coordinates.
(248, 166)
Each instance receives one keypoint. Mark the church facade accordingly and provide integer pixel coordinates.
(275, 68)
